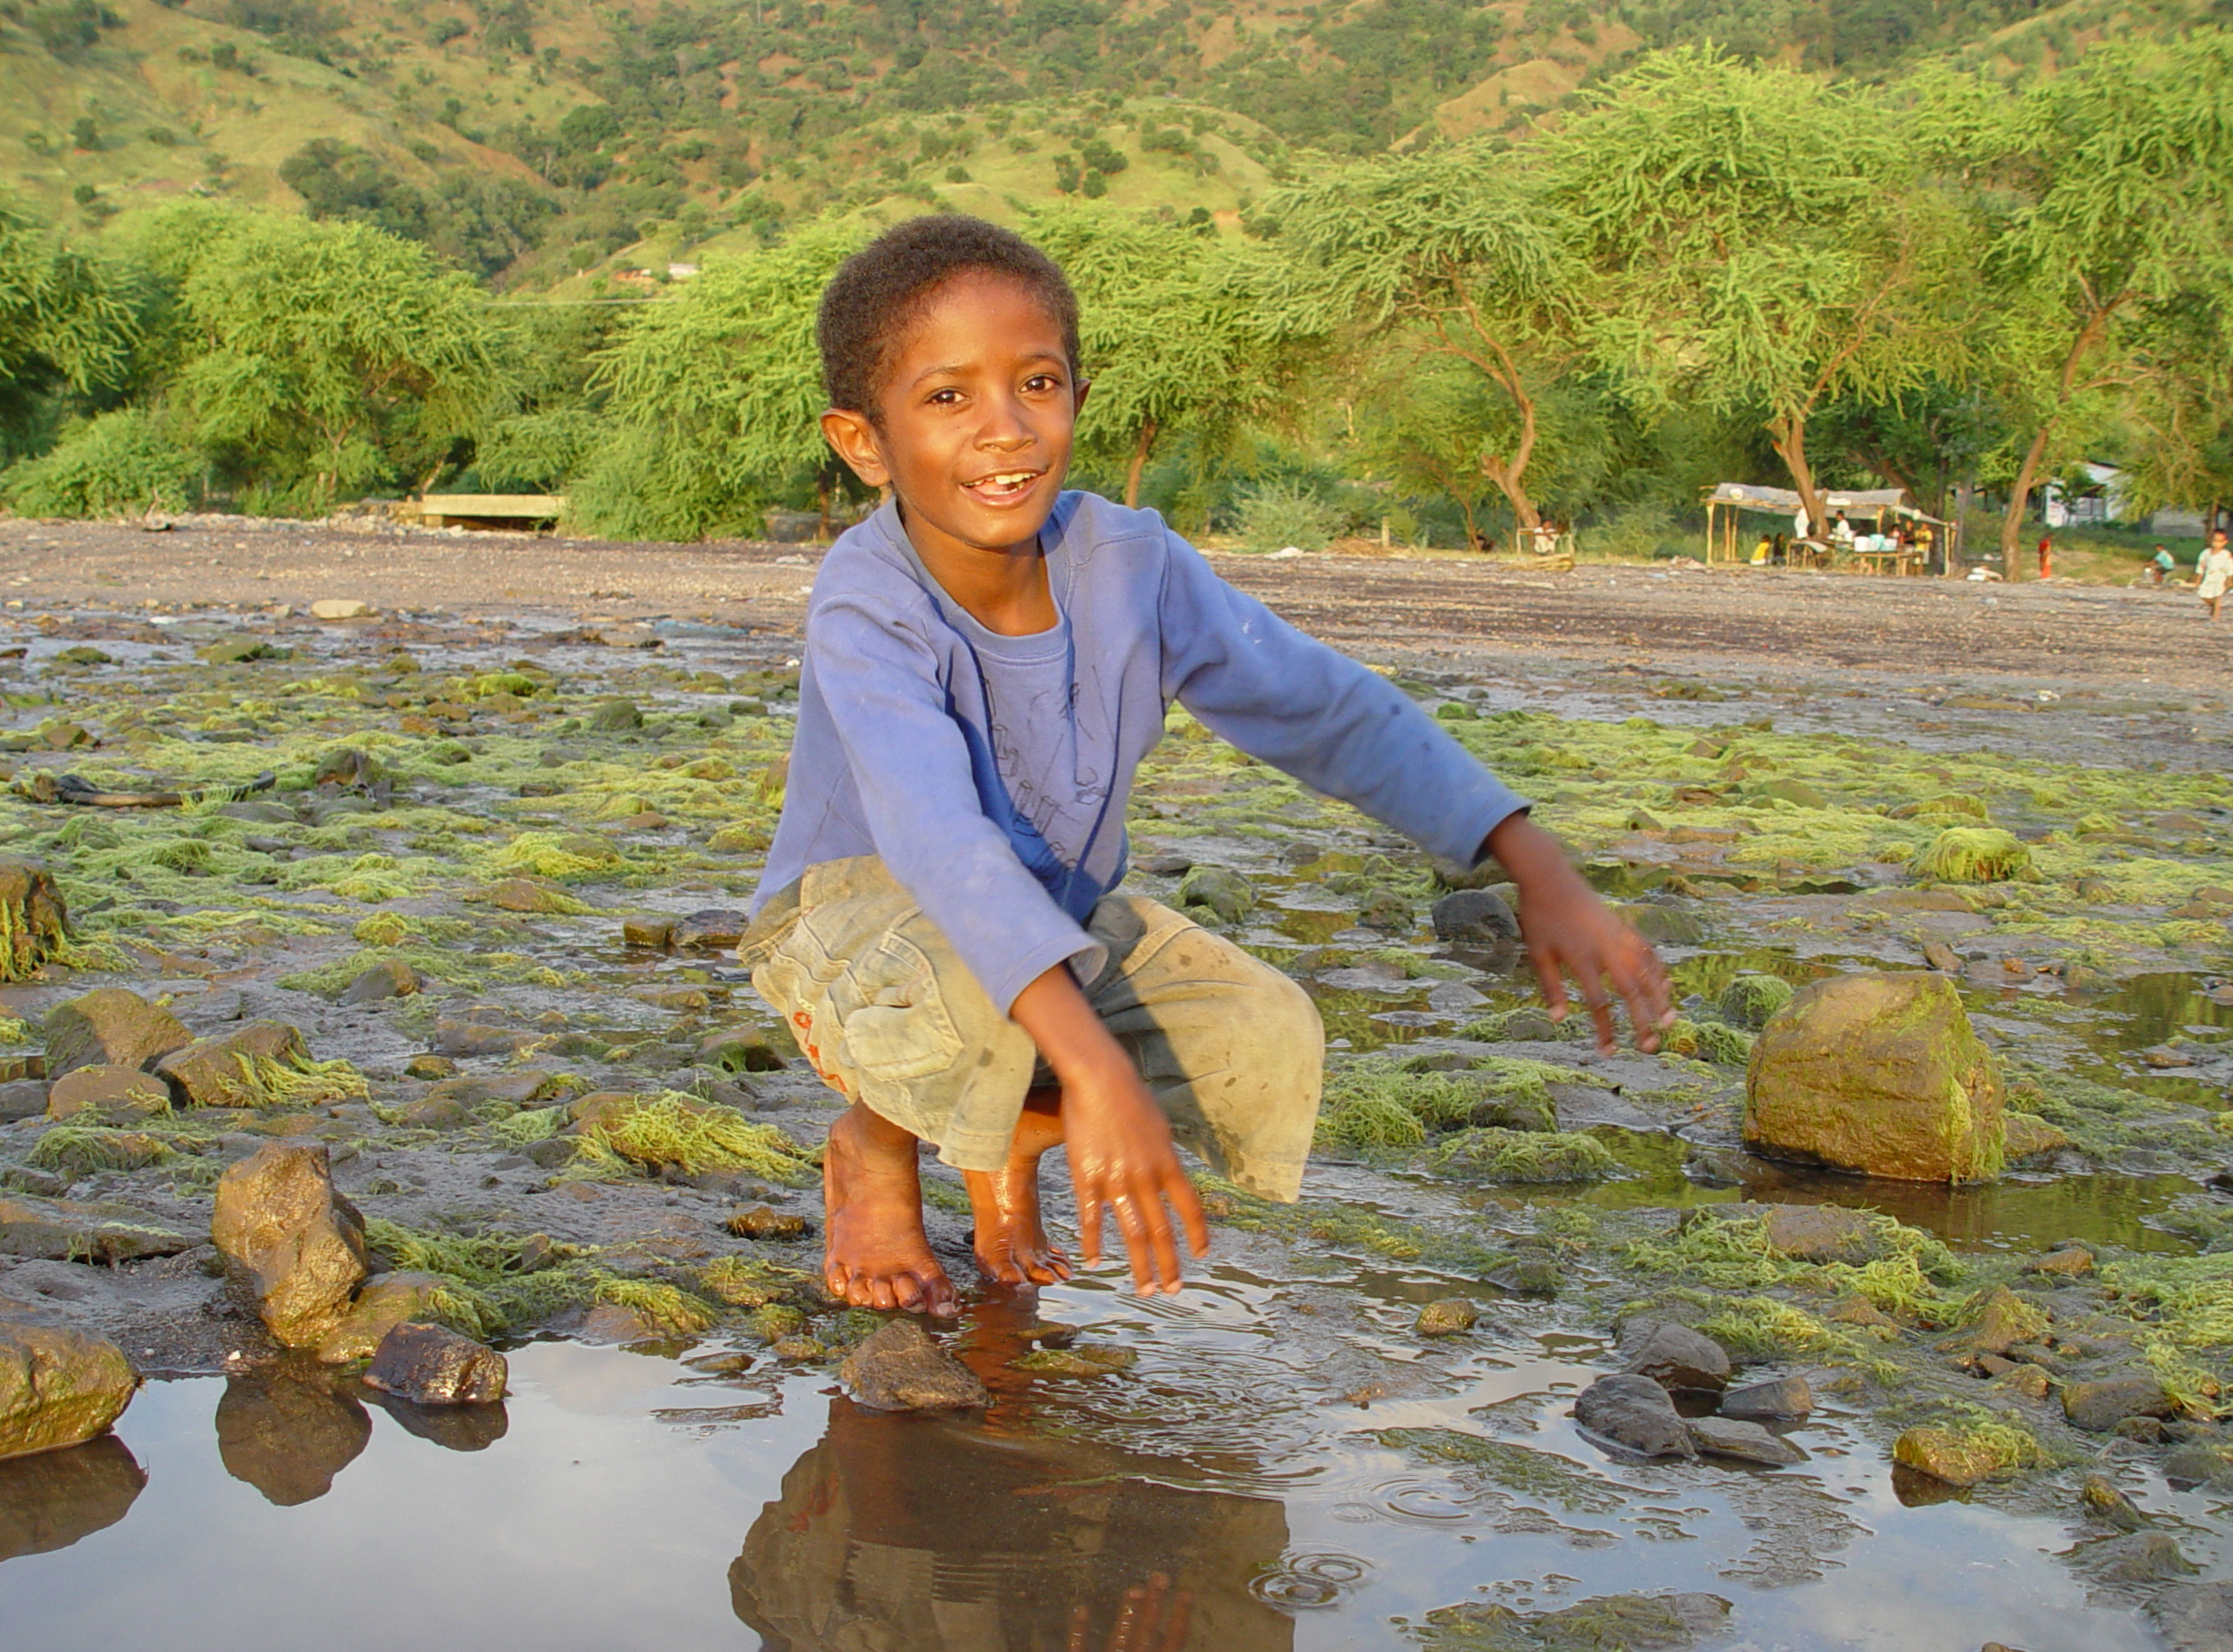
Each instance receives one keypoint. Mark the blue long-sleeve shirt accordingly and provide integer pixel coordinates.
(991, 773)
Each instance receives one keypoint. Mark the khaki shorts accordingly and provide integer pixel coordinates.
(1233, 1049)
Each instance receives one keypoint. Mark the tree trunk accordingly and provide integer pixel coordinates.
(1139, 463)
(2012, 520)
(1787, 435)
(1954, 529)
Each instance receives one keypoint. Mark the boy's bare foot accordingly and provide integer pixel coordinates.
(1013, 1246)
(874, 1252)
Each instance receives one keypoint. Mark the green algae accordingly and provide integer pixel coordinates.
(2185, 1307)
(1500, 1155)
(664, 1309)
(1520, 1469)
(1616, 1623)
(74, 1151)
(1380, 1102)
(751, 1282)
(1972, 854)
(670, 1130)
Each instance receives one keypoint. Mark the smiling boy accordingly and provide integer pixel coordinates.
(988, 658)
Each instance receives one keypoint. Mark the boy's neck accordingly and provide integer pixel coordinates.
(1004, 588)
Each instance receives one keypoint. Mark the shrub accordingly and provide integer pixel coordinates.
(1277, 514)
(117, 463)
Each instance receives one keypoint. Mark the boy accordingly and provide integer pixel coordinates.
(988, 659)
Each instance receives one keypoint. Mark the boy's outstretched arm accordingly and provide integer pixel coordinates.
(1122, 1163)
(1570, 931)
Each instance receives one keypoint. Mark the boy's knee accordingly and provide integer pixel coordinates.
(1282, 1021)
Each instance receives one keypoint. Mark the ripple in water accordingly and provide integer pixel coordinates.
(1408, 1500)
(1307, 1582)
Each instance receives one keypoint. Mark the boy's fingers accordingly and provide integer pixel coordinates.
(1133, 1225)
(1188, 1206)
(1089, 1224)
(1160, 1236)
(1549, 977)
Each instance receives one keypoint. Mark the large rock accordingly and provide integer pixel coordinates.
(387, 1301)
(33, 919)
(1220, 890)
(103, 1094)
(1674, 1356)
(111, 1026)
(1474, 918)
(1821, 1233)
(1879, 1074)
(2196, 1617)
(1634, 1412)
(431, 1365)
(289, 1241)
(1954, 1458)
(58, 1388)
(2099, 1406)
(288, 1438)
(1783, 1400)
(64, 1230)
(1744, 1442)
(221, 1071)
(900, 1369)
(49, 1501)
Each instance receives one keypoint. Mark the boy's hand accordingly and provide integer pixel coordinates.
(1121, 1160)
(1569, 931)
(1122, 1165)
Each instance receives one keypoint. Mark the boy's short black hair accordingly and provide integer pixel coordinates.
(878, 292)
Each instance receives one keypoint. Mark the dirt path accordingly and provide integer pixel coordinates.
(1771, 624)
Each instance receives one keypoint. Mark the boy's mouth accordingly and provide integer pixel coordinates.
(1004, 487)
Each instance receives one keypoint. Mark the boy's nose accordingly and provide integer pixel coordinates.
(1004, 425)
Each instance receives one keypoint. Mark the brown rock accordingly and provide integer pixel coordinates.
(291, 1243)
(431, 1365)
(1746, 1442)
(111, 1026)
(434, 1112)
(2072, 1261)
(2103, 1501)
(391, 978)
(1447, 1317)
(649, 931)
(900, 1369)
(37, 920)
(58, 1386)
(2196, 1617)
(1785, 1400)
(1880, 1074)
(1820, 1233)
(220, 1071)
(471, 1038)
(428, 1067)
(758, 1221)
(1997, 1319)
(2027, 1135)
(1944, 1456)
(524, 894)
(1674, 1356)
(715, 928)
(2099, 1406)
(386, 1301)
(103, 1094)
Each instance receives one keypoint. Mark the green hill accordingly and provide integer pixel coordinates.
(536, 140)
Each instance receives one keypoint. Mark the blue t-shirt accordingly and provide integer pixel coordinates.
(991, 773)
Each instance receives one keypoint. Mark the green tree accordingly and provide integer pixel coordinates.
(2111, 189)
(1173, 333)
(64, 324)
(320, 356)
(714, 398)
(1456, 251)
(1755, 238)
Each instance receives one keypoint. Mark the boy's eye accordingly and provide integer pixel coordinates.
(945, 397)
(1043, 381)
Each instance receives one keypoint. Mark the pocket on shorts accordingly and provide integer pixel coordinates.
(894, 1022)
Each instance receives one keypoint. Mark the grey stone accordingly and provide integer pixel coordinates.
(2098, 1407)
(1673, 1356)
(899, 1368)
(62, 1230)
(391, 978)
(2140, 1557)
(715, 928)
(431, 1365)
(1220, 890)
(1746, 1442)
(2196, 1617)
(1473, 918)
(1784, 1399)
(1529, 1275)
(24, 1098)
(1635, 1413)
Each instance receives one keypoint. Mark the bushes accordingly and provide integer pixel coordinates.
(1279, 514)
(121, 461)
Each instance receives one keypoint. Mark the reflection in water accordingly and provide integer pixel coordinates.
(50, 1501)
(288, 1433)
(943, 1534)
(453, 1428)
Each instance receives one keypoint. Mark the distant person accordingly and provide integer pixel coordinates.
(1781, 553)
(2216, 571)
(2046, 556)
(1926, 541)
(1800, 523)
(1842, 532)
(1762, 552)
(990, 657)
(2161, 566)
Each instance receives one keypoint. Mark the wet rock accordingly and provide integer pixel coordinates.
(1645, 1623)
(1449, 1318)
(1385, 910)
(287, 1436)
(610, 1322)
(2070, 1261)
(58, 1386)
(2196, 1617)
(452, 1428)
(332, 607)
(799, 1349)
(1784, 1399)
(347, 767)
(1667, 926)
(1674, 1356)
(740, 1050)
(902, 1369)
(2098, 1407)
(24, 1098)
(2201, 1462)
(525, 894)
(1529, 1275)
(715, 929)
(1746, 1442)
(33, 916)
(386, 1301)
(1942, 957)
(1944, 1456)
(2103, 1501)
(111, 1026)
(103, 1094)
(758, 1221)
(49, 1501)
(214, 1071)
(657, 932)
(1219, 890)
(63, 1230)
(1634, 1412)
(431, 1365)
(2026, 1136)
(1820, 1233)
(2140, 1557)
(1880, 1074)
(1083, 1359)
(1474, 918)
(2028, 1382)
(292, 1244)
(472, 1038)
(1750, 1001)
(428, 1067)
(391, 978)
(616, 717)
(434, 1112)
(1997, 1319)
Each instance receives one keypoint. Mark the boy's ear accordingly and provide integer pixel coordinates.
(855, 439)
(1077, 397)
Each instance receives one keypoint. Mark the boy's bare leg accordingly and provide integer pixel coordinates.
(874, 1252)
(1013, 1246)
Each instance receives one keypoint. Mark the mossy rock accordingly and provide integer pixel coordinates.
(1972, 854)
(1220, 890)
(1946, 806)
(1751, 1000)
(1879, 1074)
(1497, 1155)
(1796, 793)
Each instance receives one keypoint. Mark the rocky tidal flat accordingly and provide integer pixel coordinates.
(394, 1084)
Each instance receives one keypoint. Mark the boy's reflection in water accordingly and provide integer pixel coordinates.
(967, 1534)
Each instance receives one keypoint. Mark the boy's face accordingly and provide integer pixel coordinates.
(977, 408)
